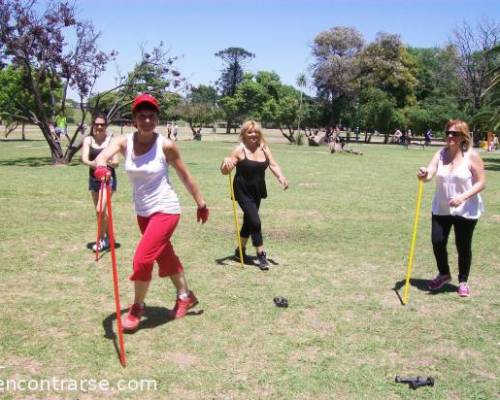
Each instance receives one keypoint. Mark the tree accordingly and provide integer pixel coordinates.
(199, 108)
(490, 115)
(436, 72)
(378, 111)
(387, 65)
(36, 43)
(14, 97)
(475, 58)
(264, 97)
(301, 83)
(336, 67)
(204, 94)
(234, 59)
(155, 73)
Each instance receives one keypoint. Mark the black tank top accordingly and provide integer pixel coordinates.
(93, 153)
(249, 182)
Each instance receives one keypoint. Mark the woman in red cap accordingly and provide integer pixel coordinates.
(148, 156)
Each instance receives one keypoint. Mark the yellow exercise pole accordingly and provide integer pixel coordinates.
(413, 240)
(238, 238)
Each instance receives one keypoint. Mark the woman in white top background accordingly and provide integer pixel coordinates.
(460, 177)
(148, 156)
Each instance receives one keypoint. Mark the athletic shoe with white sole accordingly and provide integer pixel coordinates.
(103, 245)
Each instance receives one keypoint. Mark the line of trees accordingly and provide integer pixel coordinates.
(379, 85)
(382, 85)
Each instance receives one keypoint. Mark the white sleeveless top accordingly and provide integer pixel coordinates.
(453, 183)
(148, 174)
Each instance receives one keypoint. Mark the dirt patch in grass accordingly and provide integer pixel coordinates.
(183, 360)
(21, 365)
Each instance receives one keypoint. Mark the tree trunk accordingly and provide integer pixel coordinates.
(23, 133)
(9, 128)
(290, 137)
(229, 124)
(193, 128)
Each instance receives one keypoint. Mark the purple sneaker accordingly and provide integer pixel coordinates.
(438, 282)
(463, 289)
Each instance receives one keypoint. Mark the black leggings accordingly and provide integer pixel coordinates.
(251, 222)
(464, 228)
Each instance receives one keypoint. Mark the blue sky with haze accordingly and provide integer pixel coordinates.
(279, 32)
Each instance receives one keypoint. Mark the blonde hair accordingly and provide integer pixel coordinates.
(250, 125)
(463, 128)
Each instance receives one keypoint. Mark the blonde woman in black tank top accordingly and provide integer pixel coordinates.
(91, 147)
(251, 159)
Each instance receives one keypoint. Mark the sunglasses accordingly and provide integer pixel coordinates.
(452, 133)
(99, 124)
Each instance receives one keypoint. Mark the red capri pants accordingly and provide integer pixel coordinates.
(155, 246)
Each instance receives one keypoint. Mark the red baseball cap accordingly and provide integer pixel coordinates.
(145, 98)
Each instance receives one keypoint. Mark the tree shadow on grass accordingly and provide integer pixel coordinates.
(152, 318)
(34, 162)
(27, 162)
(421, 284)
(491, 164)
(250, 261)
(21, 140)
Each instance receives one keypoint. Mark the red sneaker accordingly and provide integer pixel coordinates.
(183, 305)
(131, 321)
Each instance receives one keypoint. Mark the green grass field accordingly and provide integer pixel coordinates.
(340, 238)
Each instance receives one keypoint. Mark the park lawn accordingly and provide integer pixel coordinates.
(340, 238)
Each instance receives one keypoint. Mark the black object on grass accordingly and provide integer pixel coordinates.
(280, 302)
(415, 382)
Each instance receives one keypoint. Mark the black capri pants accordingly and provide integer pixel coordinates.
(464, 229)
(251, 221)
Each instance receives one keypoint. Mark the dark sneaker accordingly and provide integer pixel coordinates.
(246, 259)
(183, 305)
(131, 321)
(263, 263)
(438, 282)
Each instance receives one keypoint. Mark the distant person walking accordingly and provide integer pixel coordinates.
(148, 159)
(251, 159)
(491, 142)
(61, 127)
(91, 148)
(457, 203)
(427, 137)
(175, 129)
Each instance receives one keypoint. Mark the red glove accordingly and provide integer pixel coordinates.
(202, 214)
(101, 173)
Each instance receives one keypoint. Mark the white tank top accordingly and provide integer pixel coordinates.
(453, 183)
(148, 174)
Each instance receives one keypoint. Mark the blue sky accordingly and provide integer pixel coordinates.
(279, 32)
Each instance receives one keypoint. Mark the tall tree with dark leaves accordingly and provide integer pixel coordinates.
(234, 59)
